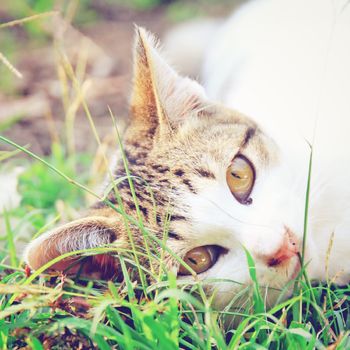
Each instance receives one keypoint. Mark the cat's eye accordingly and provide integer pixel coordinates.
(200, 259)
(240, 177)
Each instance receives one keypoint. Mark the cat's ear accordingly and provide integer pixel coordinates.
(160, 96)
(90, 232)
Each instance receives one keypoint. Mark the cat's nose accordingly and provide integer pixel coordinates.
(288, 249)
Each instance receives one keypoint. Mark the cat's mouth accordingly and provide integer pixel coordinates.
(296, 270)
(286, 254)
(290, 269)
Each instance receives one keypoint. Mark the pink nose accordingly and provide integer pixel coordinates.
(288, 249)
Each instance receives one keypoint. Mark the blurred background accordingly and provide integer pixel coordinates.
(62, 63)
(95, 36)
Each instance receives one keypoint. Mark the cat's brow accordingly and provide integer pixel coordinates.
(248, 136)
(174, 235)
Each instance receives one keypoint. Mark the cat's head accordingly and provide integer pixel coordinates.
(219, 184)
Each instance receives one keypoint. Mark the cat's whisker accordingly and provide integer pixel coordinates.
(155, 187)
(234, 218)
(316, 189)
(215, 204)
(202, 108)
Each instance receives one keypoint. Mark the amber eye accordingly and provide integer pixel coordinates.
(200, 259)
(240, 177)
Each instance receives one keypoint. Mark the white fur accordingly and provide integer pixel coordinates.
(188, 54)
(178, 95)
(9, 197)
(260, 227)
(286, 64)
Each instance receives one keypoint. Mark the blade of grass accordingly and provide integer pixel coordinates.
(70, 73)
(259, 306)
(306, 208)
(57, 171)
(10, 66)
(117, 209)
(10, 240)
(28, 19)
(5, 155)
(132, 188)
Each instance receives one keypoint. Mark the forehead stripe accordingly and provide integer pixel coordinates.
(205, 173)
(248, 135)
(173, 235)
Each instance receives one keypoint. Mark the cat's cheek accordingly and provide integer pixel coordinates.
(278, 203)
(279, 275)
(228, 275)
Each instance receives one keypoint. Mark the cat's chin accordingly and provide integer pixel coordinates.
(276, 285)
(232, 314)
(296, 270)
(233, 310)
(239, 300)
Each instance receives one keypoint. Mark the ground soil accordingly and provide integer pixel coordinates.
(37, 104)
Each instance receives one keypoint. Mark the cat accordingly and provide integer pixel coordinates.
(225, 182)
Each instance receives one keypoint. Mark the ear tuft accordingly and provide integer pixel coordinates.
(143, 99)
(160, 96)
(81, 234)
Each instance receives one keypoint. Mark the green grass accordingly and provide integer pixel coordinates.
(129, 313)
(41, 311)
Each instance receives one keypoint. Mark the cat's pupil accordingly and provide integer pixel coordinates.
(193, 261)
(236, 176)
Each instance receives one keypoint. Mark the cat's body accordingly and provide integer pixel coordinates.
(286, 64)
(227, 183)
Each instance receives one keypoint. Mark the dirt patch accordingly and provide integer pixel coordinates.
(37, 109)
(36, 112)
